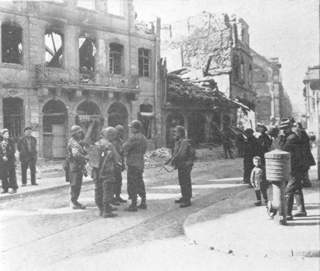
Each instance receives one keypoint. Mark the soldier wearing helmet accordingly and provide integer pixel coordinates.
(77, 159)
(134, 149)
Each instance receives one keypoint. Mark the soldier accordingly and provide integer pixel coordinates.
(182, 159)
(105, 175)
(264, 142)
(293, 144)
(27, 147)
(134, 149)
(77, 157)
(118, 142)
(8, 166)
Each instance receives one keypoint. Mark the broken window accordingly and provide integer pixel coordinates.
(115, 7)
(11, 43)
(116, 58)
(54, 48)
(146, 116)
(87, 52)
(144, 62)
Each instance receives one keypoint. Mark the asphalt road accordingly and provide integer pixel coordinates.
(41, 230)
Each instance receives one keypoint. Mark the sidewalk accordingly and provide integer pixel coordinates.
(237, 227)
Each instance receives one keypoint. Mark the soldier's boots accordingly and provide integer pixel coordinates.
(132, 207)
(143, 204)
(120, 200)
(77, 206)
(108, 214)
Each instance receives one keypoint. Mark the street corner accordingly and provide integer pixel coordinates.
(236, 227)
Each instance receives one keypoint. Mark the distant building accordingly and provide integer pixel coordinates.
(213, 48)
(311, 93)
(63, 63)
(272, 102)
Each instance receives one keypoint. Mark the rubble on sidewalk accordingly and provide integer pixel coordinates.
(157, 157)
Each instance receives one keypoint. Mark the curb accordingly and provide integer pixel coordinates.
(197, 217)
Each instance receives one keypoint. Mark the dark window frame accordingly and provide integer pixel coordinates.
(144, 62)
(116, 56)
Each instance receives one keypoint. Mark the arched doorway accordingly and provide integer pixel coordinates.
(118, 114)
(196, 128)
(13, 116)
(90, 119)
(172, 121)
(55, 123)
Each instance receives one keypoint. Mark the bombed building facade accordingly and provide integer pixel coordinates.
(213, 52)
(272, 101)
(64, 64)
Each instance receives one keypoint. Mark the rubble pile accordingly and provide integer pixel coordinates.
(157, 157)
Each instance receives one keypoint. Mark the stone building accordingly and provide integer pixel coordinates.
(212, 48)
(311, 93)
(63, 63)
(272, 101)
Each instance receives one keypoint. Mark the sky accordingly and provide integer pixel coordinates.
(288, 29)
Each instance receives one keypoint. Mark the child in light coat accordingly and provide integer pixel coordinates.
(258, 181)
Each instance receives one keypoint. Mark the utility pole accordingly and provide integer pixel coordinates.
(317, 105)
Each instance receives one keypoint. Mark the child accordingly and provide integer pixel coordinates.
(258, 182)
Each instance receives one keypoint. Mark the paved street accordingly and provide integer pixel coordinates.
(41, 230)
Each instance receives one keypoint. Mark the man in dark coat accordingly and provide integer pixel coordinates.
(134, 149)
(27, 146)
(77, 161)
(8, 164)
(293, 144)
(264, 142)
(227, 142)
(250, 150)
(182, 159)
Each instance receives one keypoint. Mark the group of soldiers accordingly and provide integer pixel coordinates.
(27, 147)
(106, 158)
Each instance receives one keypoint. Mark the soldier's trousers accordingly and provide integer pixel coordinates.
(184, 176)
(31, 163)
(103, 193)
(75, 178)
(135, 184)
(118, 182)
(294, 188)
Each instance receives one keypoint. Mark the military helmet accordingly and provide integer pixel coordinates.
(110, 133)
(136, 124)
(3, 131)
(119, 128)
(75, 129)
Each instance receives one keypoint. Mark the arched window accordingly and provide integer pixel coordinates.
(116, 58)
(54, 48)
(12, 50)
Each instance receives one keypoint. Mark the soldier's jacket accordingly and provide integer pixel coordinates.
(134, 149)
(76, 155)
(108, 159)
(118, 143)
(183, 154)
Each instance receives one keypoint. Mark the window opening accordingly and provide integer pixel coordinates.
(144, 62)
(87, 52)
(146, 116)
(115, 7)
(236, 67)
(115, 58)
(12, 49)
(54, 48)
(13, 116)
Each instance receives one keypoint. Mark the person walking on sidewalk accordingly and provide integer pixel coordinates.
(134, 149)
(292, 143)
(8, 164)
(77, 161)
(182, 159)
(258, 181)
(119, 167)
(105, 178)
(27, 146)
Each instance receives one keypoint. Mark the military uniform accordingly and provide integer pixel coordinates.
(77, 162)
(134, 149)
(182, 159)
(119, 167)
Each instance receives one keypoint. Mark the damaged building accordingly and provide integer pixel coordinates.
(212, 53)
(272, 101)
(77, 62)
